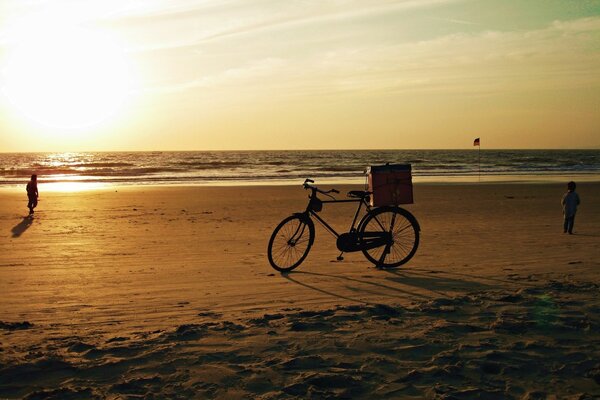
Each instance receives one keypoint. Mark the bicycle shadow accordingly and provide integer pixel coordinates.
(440, 285)
(472, 277)
(21, 227)
(286, 275)
(435, 286)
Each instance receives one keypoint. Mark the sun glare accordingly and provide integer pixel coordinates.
(66, 76)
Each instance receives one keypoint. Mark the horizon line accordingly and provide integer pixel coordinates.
(265, 150)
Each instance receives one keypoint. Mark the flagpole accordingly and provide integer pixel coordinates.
(477, 142)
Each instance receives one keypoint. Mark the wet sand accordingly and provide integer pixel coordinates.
(167, 292)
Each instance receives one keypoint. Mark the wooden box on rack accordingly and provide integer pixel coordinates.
(391, 184)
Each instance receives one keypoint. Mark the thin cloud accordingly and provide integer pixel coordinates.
(475, 64)
(455, 21)
(232, 76)
(263, 19)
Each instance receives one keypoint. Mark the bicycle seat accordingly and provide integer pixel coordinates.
(359, 194)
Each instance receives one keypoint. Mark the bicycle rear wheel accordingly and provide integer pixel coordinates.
(290, 242)
(389, 236)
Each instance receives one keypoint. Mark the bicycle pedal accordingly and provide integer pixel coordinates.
(340, 258)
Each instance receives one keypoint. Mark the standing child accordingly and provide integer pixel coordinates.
(570, 201)
(32, 193)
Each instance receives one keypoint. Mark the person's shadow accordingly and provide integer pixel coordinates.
(21, 227)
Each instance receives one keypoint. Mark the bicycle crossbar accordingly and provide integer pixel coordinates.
(342, 201)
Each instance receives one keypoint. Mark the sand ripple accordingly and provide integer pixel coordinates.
(532, 343)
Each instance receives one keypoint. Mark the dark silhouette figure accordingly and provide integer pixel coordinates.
(570, 201)
(32, 194)
(21, 227)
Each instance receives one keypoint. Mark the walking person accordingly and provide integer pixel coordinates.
(570, 201)
(32, 194)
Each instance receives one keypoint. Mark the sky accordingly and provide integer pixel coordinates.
(83, 75)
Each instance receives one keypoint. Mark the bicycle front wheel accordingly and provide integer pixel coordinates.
(290, 242)
(389, 236)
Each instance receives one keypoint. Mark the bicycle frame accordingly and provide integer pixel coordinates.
(329, 228)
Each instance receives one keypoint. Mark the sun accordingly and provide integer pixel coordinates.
(67, 76)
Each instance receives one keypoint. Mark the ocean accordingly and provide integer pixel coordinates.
(288, 167)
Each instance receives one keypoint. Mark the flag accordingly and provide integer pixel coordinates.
(476, 142)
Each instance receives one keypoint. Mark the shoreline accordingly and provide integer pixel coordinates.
(77, 186)
(251, 168)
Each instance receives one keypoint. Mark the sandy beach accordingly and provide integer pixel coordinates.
(166, 292)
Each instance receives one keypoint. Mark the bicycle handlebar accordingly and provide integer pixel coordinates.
(307, 185)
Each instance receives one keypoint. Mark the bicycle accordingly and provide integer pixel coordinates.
(388, 236)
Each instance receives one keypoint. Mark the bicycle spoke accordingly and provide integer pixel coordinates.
(404, 237)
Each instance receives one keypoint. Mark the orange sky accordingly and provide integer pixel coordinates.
(196, 75)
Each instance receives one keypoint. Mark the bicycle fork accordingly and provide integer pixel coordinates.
(295, 237)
